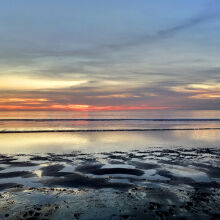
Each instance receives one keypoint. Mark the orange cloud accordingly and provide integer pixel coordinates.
(9, 100)
(45, 104)
(102, 108)
(21, 107)
(72, 107)
(121, 96)
(205, 96)
(197, 88)
(200, 91)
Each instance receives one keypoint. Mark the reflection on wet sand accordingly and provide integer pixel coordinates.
(105, 141)
(110, 175)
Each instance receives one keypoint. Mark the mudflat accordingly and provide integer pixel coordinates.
(140, 184)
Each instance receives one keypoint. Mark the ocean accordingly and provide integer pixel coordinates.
(59, 131)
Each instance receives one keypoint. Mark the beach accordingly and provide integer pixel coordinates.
(110, 110)
(109, 167)
(139, 184)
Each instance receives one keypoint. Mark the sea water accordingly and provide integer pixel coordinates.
(50, 131)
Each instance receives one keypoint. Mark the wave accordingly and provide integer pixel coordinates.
(112, 119)
(104, 130)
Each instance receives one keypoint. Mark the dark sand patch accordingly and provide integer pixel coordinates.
(115, 162)
(7, 160)
(171, 162)
(118, 152)
(54, 170)
(104, 171)
(22, 164)
(5, 186)
(11, 162)
(135, 156)
(97, 170)
(205, 185)
(118, 157)
(91, 160)
(213, 172)
(23, 174)
(78, 180)
(176, 180)
(39, 158)
(145, 166)
(88, 168)
(58, 158)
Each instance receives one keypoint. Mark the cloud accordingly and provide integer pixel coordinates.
(155, 95)
(211, 12)
(75, 107)
(24, 100)
(132, 70)
(100, 53)
(25, 83)
(192, 22)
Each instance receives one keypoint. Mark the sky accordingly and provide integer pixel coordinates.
(97, 55)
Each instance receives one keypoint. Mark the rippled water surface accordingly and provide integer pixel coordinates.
(107, 131)
(110, 165)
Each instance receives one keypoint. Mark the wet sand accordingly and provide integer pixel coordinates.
(139, 184)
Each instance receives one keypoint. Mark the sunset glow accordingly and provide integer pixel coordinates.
(27, 83)
(71, 107)
(10, 100)
(113, 60)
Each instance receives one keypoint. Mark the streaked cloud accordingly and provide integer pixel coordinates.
(26, 83)
(149, 54)
(73, 107)
(206, 96)
(195, 88)
(26, 100)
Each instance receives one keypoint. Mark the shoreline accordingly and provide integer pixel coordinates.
(107, 130)
(139, 184)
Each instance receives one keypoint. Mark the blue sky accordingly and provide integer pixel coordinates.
(110, 53)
